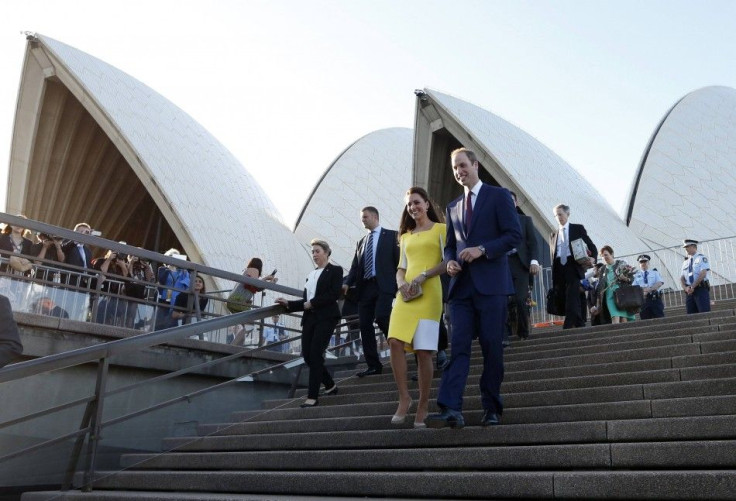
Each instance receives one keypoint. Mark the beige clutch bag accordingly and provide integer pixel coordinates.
(413, 293)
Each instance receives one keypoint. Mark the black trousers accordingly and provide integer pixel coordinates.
(566, 278)
(520, 276)
(316, 336)
(373, 305)
(653, 307)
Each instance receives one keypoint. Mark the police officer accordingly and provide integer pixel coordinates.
(694, 279)
(650, 281)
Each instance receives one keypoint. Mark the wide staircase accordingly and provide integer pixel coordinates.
(645, 410)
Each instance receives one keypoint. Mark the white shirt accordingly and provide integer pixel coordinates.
(475, 189)
(312, 283)
(563, 244)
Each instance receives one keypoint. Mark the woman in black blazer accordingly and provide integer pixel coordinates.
(321, 314)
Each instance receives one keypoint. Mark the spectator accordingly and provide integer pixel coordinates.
(612, 277)
(373, 273)
(171, 278)
(415, 322)
(112, 310)
(274, 333)
(16, 246)
(321, 314)
(566, 271)
(10, 345)
(79, 255)
(253, 269)
(48, 249)
(695, 279)
(44, 305)
(184, 308)
(142, 274)
(650, 281)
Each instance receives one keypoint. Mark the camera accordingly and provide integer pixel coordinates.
(121, 256)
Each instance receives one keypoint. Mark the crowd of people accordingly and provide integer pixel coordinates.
(488, 251)
(469, 274)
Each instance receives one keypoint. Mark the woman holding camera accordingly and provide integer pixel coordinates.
(111, 310)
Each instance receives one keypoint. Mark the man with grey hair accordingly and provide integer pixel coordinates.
(566, 271)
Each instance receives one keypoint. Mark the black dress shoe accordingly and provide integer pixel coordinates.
(490, 418)
(370, 371)
(306, 405)
(331, 391)
(447, 418)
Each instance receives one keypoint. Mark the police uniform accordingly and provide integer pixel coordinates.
(699, 300)
(653, 305)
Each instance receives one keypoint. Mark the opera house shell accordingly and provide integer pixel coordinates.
(686, 181)
(373, 171)
(511, 158)
(91, 143)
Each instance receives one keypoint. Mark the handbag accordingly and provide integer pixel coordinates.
(410, 296)
(239, 300)
(556, 302)
(629, 298)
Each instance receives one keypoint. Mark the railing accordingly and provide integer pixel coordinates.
(66, 291)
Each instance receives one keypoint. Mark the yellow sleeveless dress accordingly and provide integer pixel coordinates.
(419, 252)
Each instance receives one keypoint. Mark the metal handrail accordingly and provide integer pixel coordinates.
(92, 423)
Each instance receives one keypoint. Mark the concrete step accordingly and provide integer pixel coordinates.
(377, 416)
(640, 360)
(666, 429)
(557, 396)
(655, 376)
(689, 454)
(656, 484)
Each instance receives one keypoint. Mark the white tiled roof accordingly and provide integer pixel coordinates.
(375, 170)
(541, 175)
(220, 207)
(688, 177)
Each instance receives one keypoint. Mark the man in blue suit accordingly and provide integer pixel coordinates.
(482, 227)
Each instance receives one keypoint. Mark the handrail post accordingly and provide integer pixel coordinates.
(95, 428)
(77, 449)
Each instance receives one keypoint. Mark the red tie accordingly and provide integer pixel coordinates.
(468, 210)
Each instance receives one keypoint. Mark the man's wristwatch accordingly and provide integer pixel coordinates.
(482, 250)
(424, 274)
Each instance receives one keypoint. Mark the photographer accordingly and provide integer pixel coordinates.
(111, 310)
(48, 248)
(170, 278)
(142, 273)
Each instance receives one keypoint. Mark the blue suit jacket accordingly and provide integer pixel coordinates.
(495, 225)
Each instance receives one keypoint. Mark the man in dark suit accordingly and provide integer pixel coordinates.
(524, 265)
(482, 227)
(79, 255)
(566, 272)
(373, 273)
(10, 345)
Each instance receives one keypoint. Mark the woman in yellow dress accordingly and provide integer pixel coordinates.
(415, 323)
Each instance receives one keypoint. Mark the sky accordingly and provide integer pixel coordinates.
(287, 85)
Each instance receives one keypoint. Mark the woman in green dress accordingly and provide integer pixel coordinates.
(614, 275)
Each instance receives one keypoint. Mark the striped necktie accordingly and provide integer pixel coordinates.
(368, 257)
